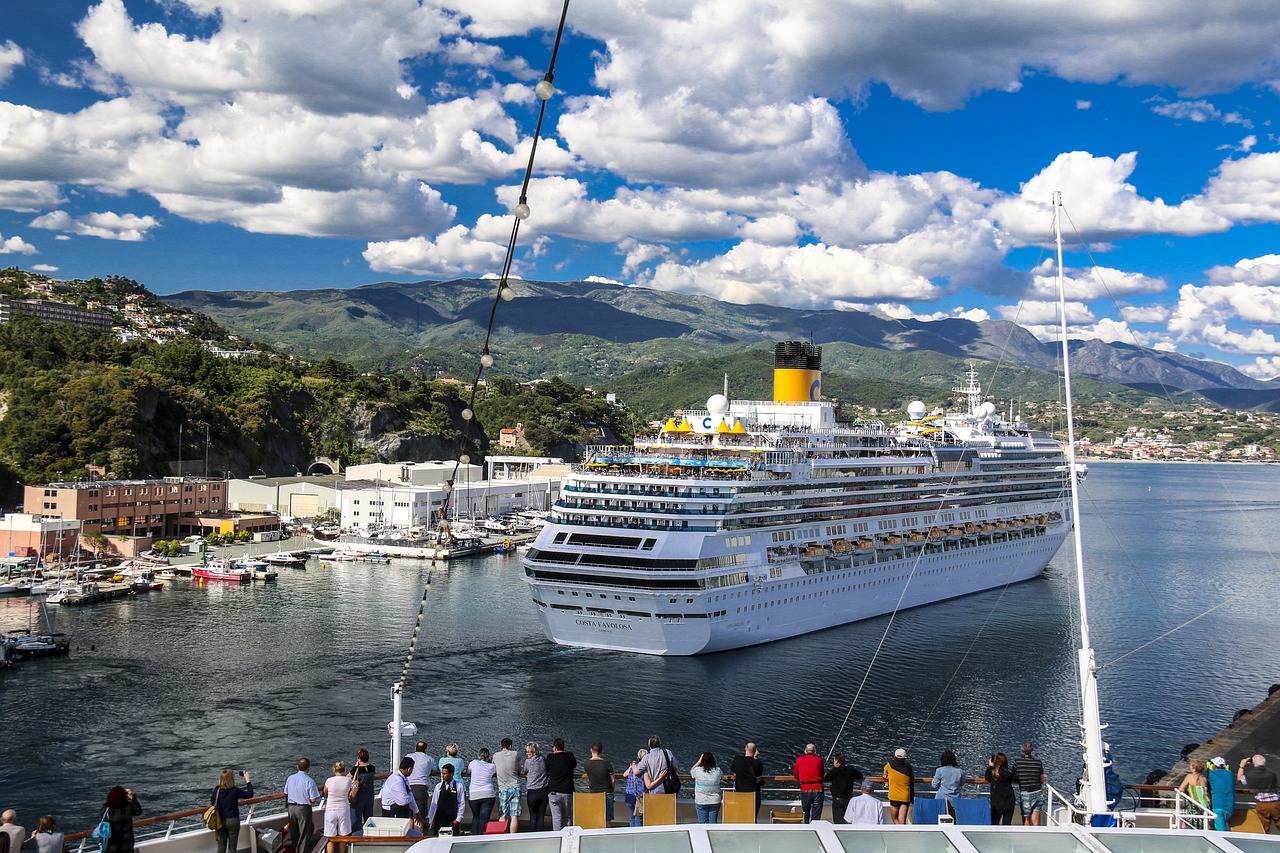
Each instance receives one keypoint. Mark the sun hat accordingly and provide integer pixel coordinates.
(900, 753)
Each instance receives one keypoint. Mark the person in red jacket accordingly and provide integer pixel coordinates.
(809, 771)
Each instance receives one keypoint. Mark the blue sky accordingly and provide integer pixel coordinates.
(897, 157)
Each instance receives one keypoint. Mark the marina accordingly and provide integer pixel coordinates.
(314, 655)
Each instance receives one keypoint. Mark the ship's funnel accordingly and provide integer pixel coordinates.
(797, 372)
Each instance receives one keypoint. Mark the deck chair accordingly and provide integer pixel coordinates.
(786, 817)
(927, 809)
(739, 807)
(588, 810)
(659, 809)
(972, 812)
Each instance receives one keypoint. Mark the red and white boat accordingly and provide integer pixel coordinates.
(216, 570)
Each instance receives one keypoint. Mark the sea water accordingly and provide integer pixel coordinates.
(164, 689)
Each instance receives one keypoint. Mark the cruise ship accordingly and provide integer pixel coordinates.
(753, 521)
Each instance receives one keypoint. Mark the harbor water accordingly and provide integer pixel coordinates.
(162, 690)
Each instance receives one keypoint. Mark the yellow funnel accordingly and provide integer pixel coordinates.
(797, 372)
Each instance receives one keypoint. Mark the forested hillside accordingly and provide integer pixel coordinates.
(72, 400)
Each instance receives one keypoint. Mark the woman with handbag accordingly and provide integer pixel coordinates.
(225, 799)
(362, 806)
(339, 792)
(119, 811)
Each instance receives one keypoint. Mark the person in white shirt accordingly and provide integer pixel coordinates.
(397, 798)
(865, 809)
(420, 779)
(337, 805)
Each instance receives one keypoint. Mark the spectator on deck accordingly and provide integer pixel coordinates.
(226, 798)
(122, 807)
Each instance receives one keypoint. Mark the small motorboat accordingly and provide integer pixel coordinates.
(285, 559)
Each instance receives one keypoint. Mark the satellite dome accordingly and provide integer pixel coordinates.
(717, 405)
(986, 410)
(915, 410)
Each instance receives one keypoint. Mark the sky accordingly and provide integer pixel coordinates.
(897, 156)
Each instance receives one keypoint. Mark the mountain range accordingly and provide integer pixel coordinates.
(586, 330)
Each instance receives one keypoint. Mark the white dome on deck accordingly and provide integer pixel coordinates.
(717, 405)
(915, 410)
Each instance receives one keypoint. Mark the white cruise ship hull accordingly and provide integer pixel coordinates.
(790, 606)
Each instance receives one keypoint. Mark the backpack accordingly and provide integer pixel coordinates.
(671, 781)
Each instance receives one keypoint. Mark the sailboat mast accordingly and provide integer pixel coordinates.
(1093, 790)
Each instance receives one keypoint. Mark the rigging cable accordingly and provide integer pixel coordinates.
(543, 90)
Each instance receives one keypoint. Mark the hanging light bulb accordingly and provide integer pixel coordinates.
(464, 459)
(544, 90)
(507, 293)
(467, 414)
(486, 360)
(447, 488)
(522, 209)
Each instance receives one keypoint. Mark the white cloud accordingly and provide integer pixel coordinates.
(1084, 105)
(1262, 367)
(1089, 284)
(1036, 313)
(1211, 316)
(16, 246)
(898, 311)
(1198, 112)
(29, 196)
(43, 268)
(453, 253)
(1101, 203)
(107, 225)
(11, 57)
(813, 276)
(674, 137)
(334, 57)
(1264, 270)
(1247, 189)
(1146, 313)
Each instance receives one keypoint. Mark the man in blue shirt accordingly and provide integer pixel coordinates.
(301, 792)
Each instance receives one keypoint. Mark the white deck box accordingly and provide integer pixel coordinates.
(397, 827)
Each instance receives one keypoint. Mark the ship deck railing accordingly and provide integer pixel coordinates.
(1141, 806)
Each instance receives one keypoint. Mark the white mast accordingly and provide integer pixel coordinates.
(1093, 789)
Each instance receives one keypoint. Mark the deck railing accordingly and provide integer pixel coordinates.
(1162, 804)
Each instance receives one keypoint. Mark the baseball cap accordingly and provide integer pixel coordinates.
(900, 753)
(1219, 762)
(868, 785)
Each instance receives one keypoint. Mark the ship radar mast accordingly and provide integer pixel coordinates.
(972, 389)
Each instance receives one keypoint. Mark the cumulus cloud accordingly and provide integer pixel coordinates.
(15, 246)
(455, 252)
(29, 196)
(1103, 205)
(43, 268)
(11, 57)
(810, 276)
(1262, 367)
(1212, 315)
(107, 225)
(330, 57)
(1094, 283)
(1247, 189)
